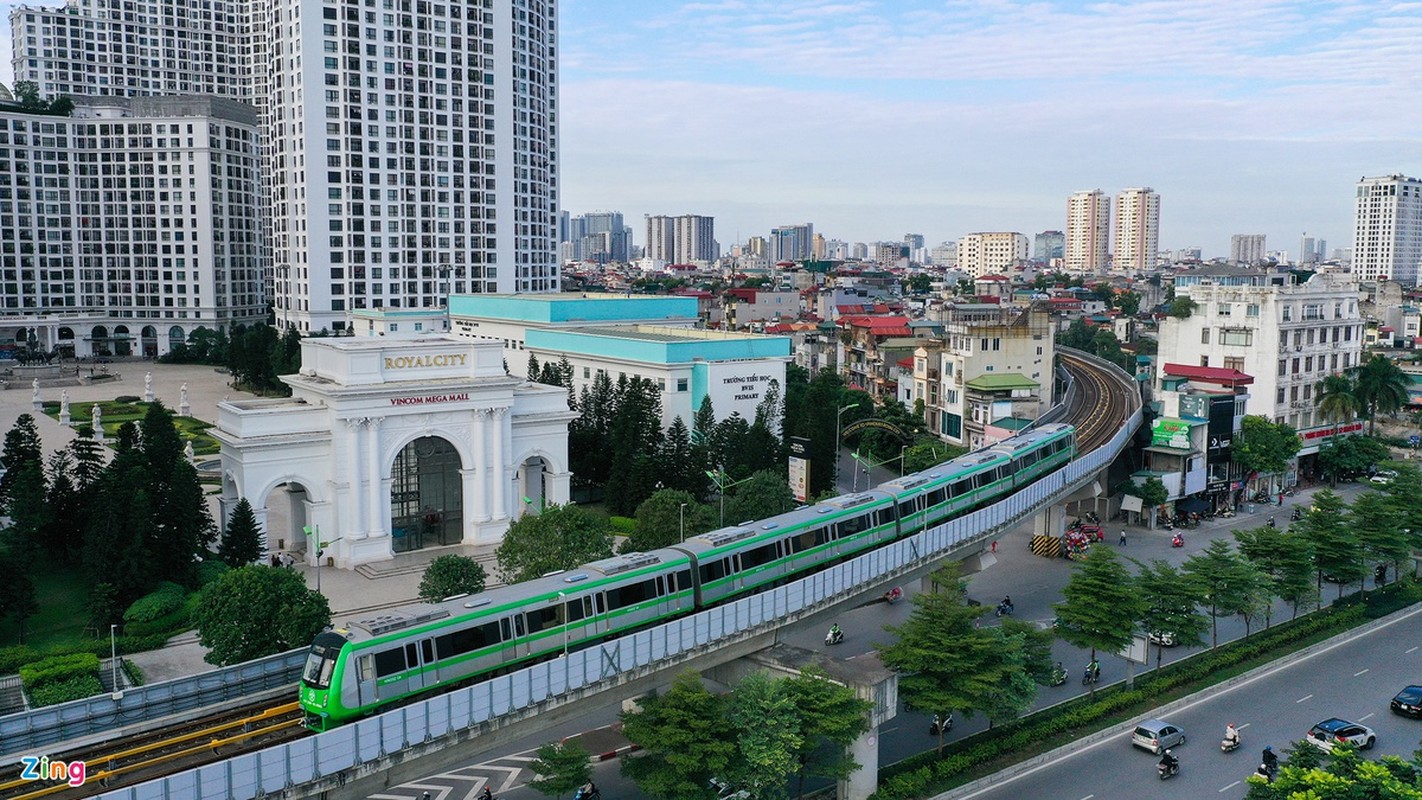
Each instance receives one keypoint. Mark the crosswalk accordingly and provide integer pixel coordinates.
(501, 775)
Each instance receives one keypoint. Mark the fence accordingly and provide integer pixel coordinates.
(32, 731)
(310, 759)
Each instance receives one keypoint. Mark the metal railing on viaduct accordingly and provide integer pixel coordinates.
(323, 763)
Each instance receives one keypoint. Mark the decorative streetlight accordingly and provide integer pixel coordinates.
(719, 477)
(869, 463)
(681, 515)
(837, 418)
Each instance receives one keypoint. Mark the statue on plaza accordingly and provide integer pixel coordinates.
(183, 395)
(98, 415)
(188, 451)
(64, 402)
(148, 388)
(34, 386)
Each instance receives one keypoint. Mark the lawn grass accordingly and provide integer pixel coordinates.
(115, 414)
(61, 595)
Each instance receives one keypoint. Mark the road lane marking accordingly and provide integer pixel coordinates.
(1365, 717)
(1359, 672)
(1231, 786)
(1412, 650)
(1088, 797)
(1242, 727)
(1305, 697)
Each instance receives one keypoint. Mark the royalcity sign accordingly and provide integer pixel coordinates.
(437, 360)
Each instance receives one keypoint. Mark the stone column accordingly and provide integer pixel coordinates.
(260, 514)
(356, 466)
(481, 463)
(374, 526)
(499, 469)
(1050, 521)
(469, 487)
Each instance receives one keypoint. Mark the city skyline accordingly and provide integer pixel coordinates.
(871, 119)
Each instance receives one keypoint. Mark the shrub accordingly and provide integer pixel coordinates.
(211, 569)
(623, 526)
(75, 688)
(56, 669)
(132, 671)
(50, 405)
(12, 658)
(127, 398)
(156, 605)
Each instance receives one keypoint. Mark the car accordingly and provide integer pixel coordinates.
(1408, 702)
(1383, 477)
(1332, 732)
(1156, 735)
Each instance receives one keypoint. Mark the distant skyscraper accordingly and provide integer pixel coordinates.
(1088, 232)
(1308, 251)
(945, 254)
(1048, 246)
(791, 242)
(681, 240)
(1387, 229)
(818, 247)
(914, 241)
(600, 236)
(1246, 248)
(982, 254)
(1137, 230)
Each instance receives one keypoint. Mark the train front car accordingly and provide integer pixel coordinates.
(321, 680)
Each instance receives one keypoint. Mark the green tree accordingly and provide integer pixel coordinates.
(920, 457)
(1099, 605)
(63, 532)
(764, 495)
(257, 611)
(1336, 400)
(532, 370)
(450, 575)
(919, 283)
(830, 717)
(945, 663)
(679, 463)
(660, 520)
(1285, 555)
(1381, 387)
(242, 539)
(1022, 663)
(1220, 574)
(1307, 774)
(28, 508)
(687, 739)
(1170, 605)
(633, 435)
(558, 537)
(1377, 523)
(17, 592)
(1181, 307)
(1264, 447)
(1129, 303)
(1337, 553)
(1251, 594)
(1079, 335)
(560, 768)
(1405, 492)
(1349, 455)
(762, 711)
(22, 447)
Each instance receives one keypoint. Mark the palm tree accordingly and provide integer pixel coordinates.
(1380, 386)
(1337, 399)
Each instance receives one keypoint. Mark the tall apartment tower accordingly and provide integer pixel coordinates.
(1049, 246)
(1246, 248)
(681, 240)
(792, 242)
(986, 253)
(599, 236)
(1088, 232)
(408, 153)
(1137, 229)
(1387, 229)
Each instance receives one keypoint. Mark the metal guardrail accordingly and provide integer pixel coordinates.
(31, 732)
(279, 768)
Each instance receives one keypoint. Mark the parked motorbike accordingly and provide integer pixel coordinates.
(1295, 515)
(1228, 512)
(1092, 518)
(1271, 523)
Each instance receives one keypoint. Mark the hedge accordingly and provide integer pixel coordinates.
(75, 688)
(927, 774)
(157, 604)
(14, 657)
(57, 669)
(132, 671)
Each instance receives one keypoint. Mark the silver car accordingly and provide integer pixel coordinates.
(1156, 735)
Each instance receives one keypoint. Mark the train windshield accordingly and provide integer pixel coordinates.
(319, 665)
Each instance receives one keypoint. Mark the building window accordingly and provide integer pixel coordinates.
(1308, 364)
(1234, 363)
(1295, 369)
(950, 396)
(1279, 397)
(681, 384)
(1288, 313)
(1251, 310)
(1204, 336)
(1204, 361)
(1237, 337)
(1283, 366)
(1223, 309)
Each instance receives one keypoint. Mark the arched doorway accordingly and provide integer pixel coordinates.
(531, 485)
(176, 337)
(426, 496)
(284, 516)
(100, 337)
(149, 341)
(66, 342)
(123, 345)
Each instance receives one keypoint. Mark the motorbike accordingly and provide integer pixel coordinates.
(835, 636)
(582, 794)
(1005, 609)
(1092, 518)
(1227, 513)
(1295, 515)
(1090, 676)
(1167, 770)
(1177, 541)
(1267, 771)
(1271, 523)
(1228, 745)
(894, 595)
(1059, 676)
(940, 724)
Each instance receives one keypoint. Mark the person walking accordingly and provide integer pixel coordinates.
(1122, 540)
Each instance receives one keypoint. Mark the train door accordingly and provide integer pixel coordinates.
(515, 636)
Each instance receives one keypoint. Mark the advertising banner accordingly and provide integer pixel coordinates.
(800, 479)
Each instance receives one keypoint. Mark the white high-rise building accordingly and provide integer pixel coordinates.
(1247, 248)
(682, 239)
(1137, 230)
(1387, 229)
(982, 254)
(1088, 232)
(138, 227)
(413, 154)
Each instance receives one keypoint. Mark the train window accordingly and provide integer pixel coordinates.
(542, 619)
(850, 527)
(412, 657)
(578, 608)
(365, 665)
(906, 508)
(885, 516)
(803, 541)
(427, 650)
(467, 640)
(824, 535)
(763, 555)
(937, 496)
(714, 570)
(962, 487)
(683, 579)
(389, 662)
(630, 595)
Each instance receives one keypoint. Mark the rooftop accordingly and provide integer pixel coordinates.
(1002, 381)
(1220, 375)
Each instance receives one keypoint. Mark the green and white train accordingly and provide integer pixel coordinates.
(402, 654)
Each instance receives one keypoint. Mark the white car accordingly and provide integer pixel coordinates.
(1383, 477)
(1330, 733)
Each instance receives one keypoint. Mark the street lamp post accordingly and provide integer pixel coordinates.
(837, 418)
(113, 658)
(902, 450)
(719, 478)
(869, 464)
(681, 516)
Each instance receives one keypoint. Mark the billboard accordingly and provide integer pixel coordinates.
(1170, 432)
(800, 479)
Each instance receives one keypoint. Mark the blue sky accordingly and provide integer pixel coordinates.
(875, 119)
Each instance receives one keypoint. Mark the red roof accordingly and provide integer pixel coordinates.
(906, 361)
(1220, 375)
(993, 278)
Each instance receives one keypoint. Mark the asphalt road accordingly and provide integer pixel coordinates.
(1354, 680)
(1035, 584)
